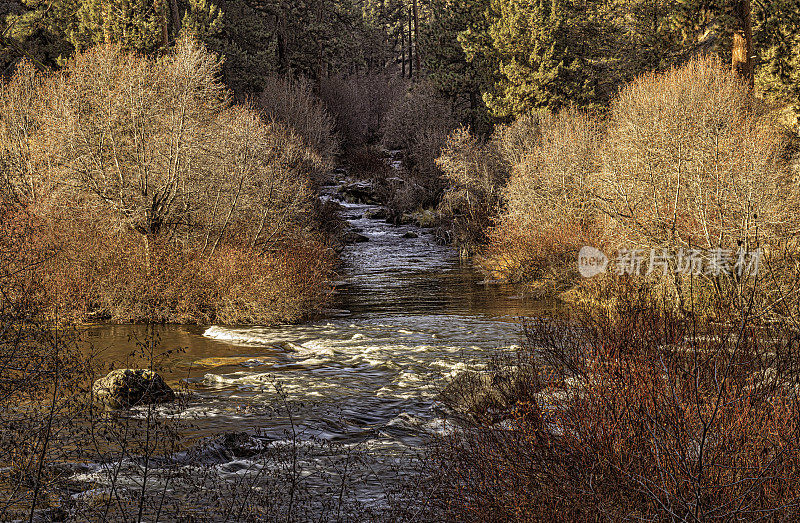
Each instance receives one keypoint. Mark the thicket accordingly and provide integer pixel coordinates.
(687, 159)
(418, 123)
(637, 412)
(160, 198)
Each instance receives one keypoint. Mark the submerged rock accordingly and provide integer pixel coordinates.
(354, 237)
(124, 388)
(377, 214)
(489, 397)
(224, 448)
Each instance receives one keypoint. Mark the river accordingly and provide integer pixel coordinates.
(408, 315)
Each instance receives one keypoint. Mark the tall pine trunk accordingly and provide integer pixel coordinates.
(742, 51)
(176, 17)
(410, 45)
(416, 37)
(403, 42)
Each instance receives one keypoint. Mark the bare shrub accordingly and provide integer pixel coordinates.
(359, 104)
(419, 124)
(18, 120)
(42, 373)
(145, 160)
(646, 414)
(476, 174)
(294, 104)
(692, 159)
(550, 210)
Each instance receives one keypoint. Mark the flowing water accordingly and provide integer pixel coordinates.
(408, 316)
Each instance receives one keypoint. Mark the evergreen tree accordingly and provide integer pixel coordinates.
(550, 53)
(51, 31)
(459, 76)
(776, 33)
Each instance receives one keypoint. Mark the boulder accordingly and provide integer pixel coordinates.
(377, 214)
(489, 397)
(124, 388)
(411, 234)
(403, 219)
(359, 192)
(351, 237)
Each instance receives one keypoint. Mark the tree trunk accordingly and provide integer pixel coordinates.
(742, 52)
(410, 46)
(161, 9)
(403, 43)
(176, 17)
(416, 37)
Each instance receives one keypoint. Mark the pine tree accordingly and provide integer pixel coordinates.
(550, 53)
(55, 29)
(457, 75)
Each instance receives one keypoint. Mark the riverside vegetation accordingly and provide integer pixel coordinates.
(163, 162)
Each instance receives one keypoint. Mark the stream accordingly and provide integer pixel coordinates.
(409, 315)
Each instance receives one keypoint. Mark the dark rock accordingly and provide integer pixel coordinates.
(124, 388)
(359, 192)
(411, 234)
(377, 214)
(489, 397)
(224, 448)
(403, 219)
(351, 237)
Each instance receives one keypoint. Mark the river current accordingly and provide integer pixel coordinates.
(408, 315)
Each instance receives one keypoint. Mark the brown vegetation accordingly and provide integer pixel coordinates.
(687, 159)
(418, 123)
(161, 199)
(293, 104)
(359, 104)
(640, 413)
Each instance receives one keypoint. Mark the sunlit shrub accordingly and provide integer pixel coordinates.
(146, 180)
(476, 174)
(693, 159)
(549, 211)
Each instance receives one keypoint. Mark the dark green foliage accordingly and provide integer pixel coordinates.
(50, 32)
(460, 77)
(492, 60)
(777, 44)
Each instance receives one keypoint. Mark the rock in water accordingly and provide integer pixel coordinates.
(351, 237)
(488, 397)
(124, 388)
(381, 213)
(411, 234)
(359, 192)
